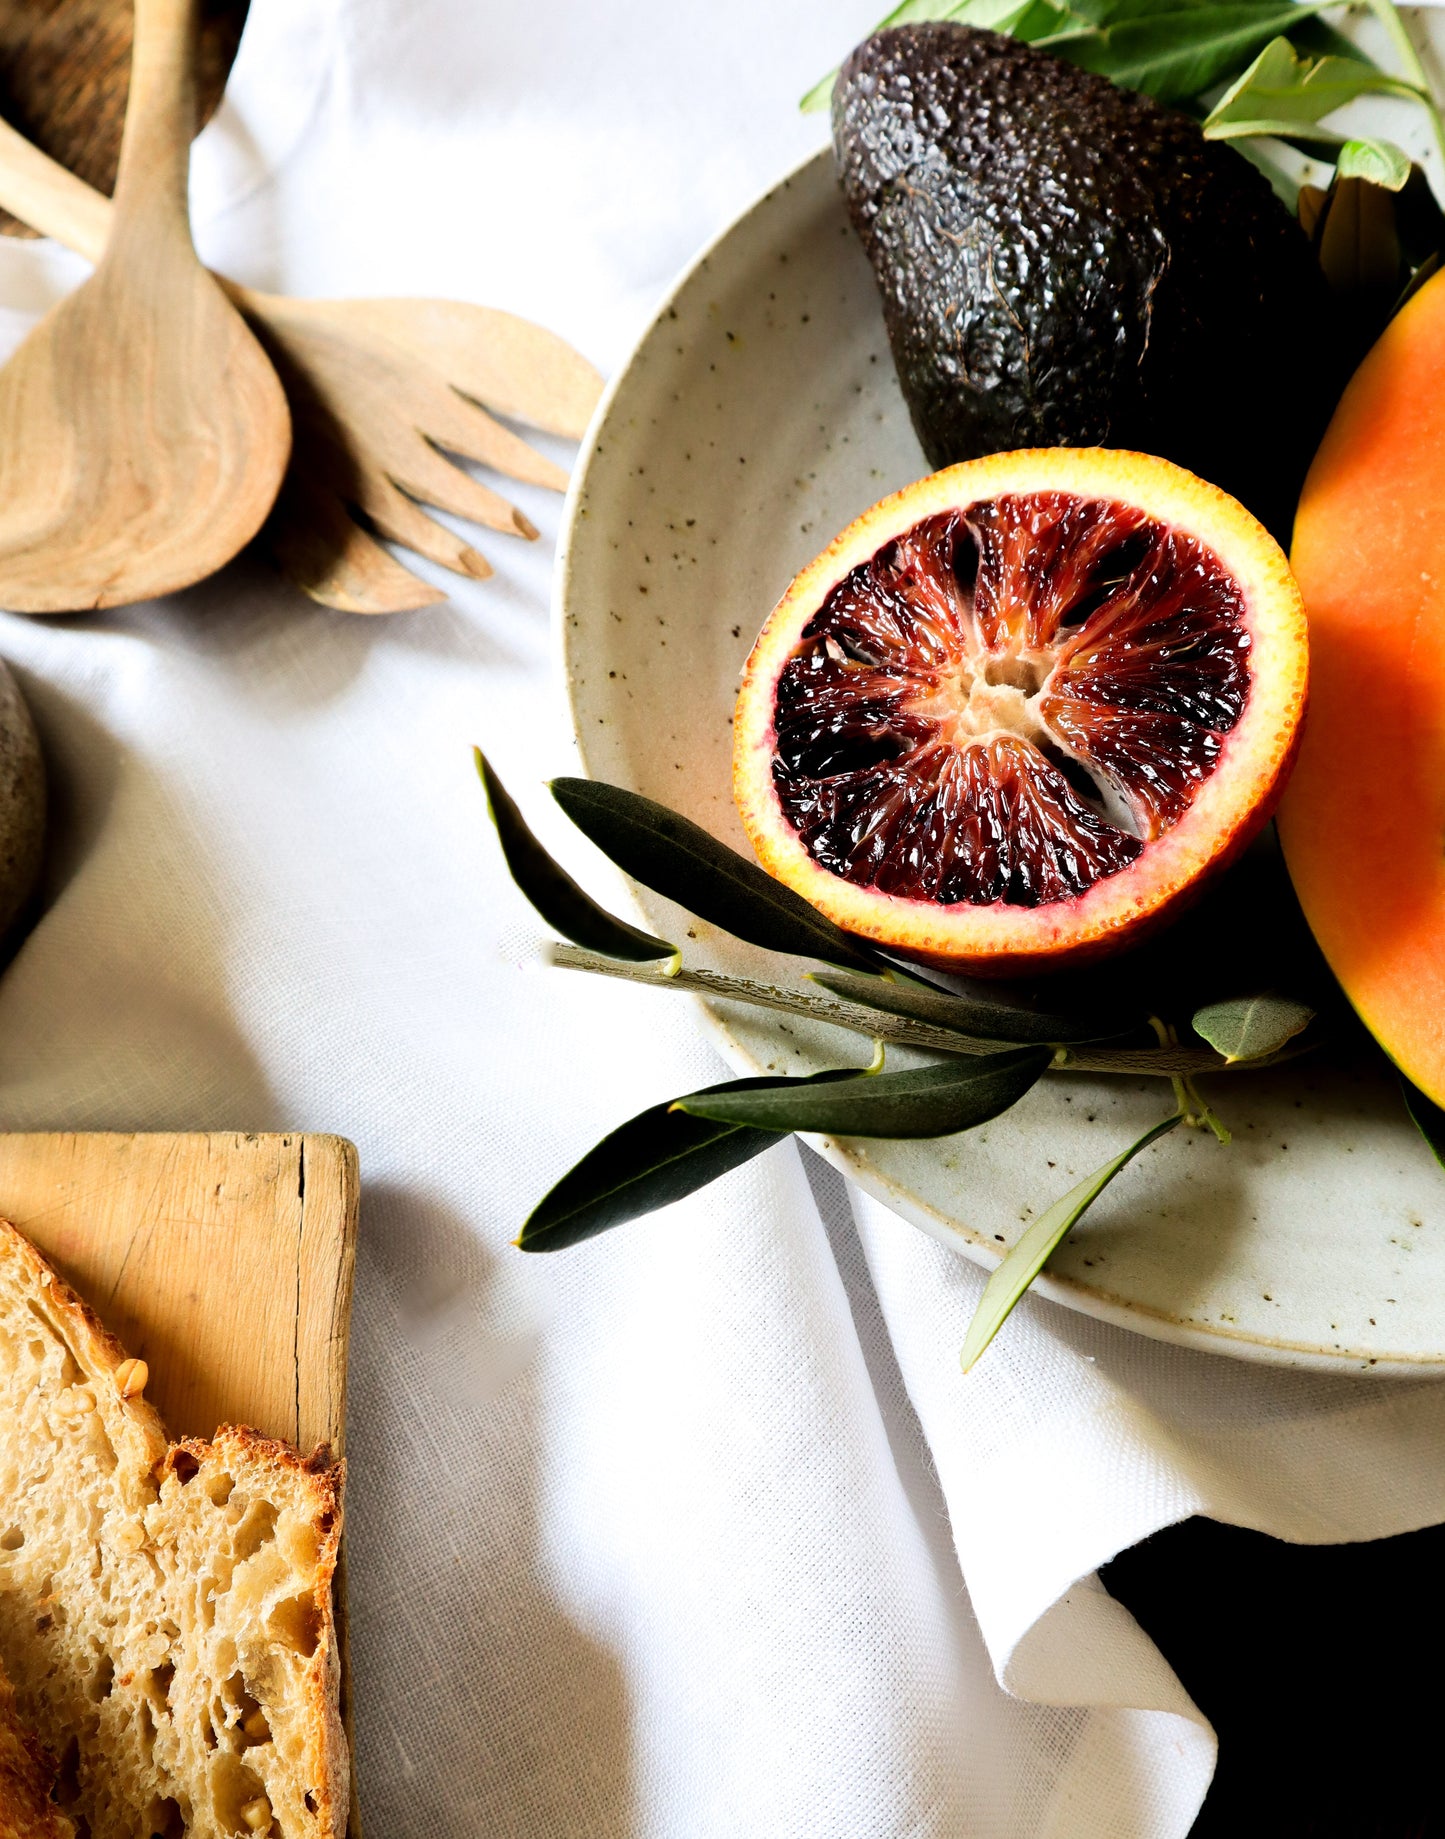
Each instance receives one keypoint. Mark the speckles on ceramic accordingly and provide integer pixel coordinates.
(758, 416)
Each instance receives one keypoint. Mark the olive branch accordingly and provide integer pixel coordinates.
(985, 1050)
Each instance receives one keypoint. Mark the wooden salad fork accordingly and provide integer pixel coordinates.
(143, 432)
(377, 388)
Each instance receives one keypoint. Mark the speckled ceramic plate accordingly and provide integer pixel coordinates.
(759, 415)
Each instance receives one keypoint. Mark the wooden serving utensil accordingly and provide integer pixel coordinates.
(372, 420)
(143, 431)
(377, 389)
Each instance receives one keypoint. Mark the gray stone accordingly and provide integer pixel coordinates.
(22, 803)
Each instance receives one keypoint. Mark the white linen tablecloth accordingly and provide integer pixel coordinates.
(696, 1530)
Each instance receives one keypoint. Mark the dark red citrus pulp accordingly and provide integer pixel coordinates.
(1007, 701)
(1011, 698)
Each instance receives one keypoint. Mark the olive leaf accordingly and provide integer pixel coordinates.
(1023, 1262)
(1249, 1027)
(1179, 53)
(553, 892)
(928, 1101)
(973, 1016)
(685, 863)
(1427, 1117)
(655, 1158)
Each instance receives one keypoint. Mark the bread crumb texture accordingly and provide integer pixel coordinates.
(166, 1613)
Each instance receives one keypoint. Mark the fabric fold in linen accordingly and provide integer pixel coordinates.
(1071, 1440)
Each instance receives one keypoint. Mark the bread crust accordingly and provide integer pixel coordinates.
(245, 1453)
(129, 1417)
(27, 1774)
(298, 1498)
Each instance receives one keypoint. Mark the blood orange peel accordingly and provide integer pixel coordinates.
(1015, 712)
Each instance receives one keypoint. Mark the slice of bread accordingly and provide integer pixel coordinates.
(27, 1774)
(166, 1609)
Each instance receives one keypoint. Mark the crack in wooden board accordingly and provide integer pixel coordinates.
(222, 1259)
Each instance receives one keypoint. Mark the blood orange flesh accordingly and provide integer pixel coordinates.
(986, 709)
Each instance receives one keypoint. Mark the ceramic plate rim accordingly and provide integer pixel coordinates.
(1138, 1318)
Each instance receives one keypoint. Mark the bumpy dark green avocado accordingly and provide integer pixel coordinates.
(1067, 263)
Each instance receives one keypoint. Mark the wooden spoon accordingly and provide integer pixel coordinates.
(377, 389)
(143, 432)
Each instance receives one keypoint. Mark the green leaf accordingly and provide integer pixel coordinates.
(821, 94)
(1179, 59)
(1024, 1261)
(1025, 20)
(1282, 87)
(1319, 143)
(929, 1101)
(1180, 53)
(1035, 20)
(1316, 37)
(972, 1016)
(1112, 12)
(1380, 162)
(553, 892)
(1249, 1027)
(685, 863)
(655, 1158)
(1427, 1118)
(813, 101)
(1375, 162)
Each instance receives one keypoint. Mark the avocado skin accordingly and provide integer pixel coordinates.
(1065, 263)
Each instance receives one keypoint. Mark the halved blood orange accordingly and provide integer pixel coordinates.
(1017, 710)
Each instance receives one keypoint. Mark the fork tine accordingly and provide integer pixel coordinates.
(426, 474)
(359, 404)
(318, 547)
(400, 518)
(463, 426)
(512, 366)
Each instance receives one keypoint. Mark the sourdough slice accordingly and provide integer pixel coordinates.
(165, 1610)
(27, 1774)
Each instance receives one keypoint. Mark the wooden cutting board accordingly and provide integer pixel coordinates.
(224, 1261)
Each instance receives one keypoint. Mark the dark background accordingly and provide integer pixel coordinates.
(1322, 1668)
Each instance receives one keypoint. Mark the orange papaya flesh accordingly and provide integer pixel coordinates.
(1362, 822)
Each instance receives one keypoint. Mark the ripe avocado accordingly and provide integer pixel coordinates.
(1065, 263)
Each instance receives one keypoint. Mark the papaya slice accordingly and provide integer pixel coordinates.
(1363, 822)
